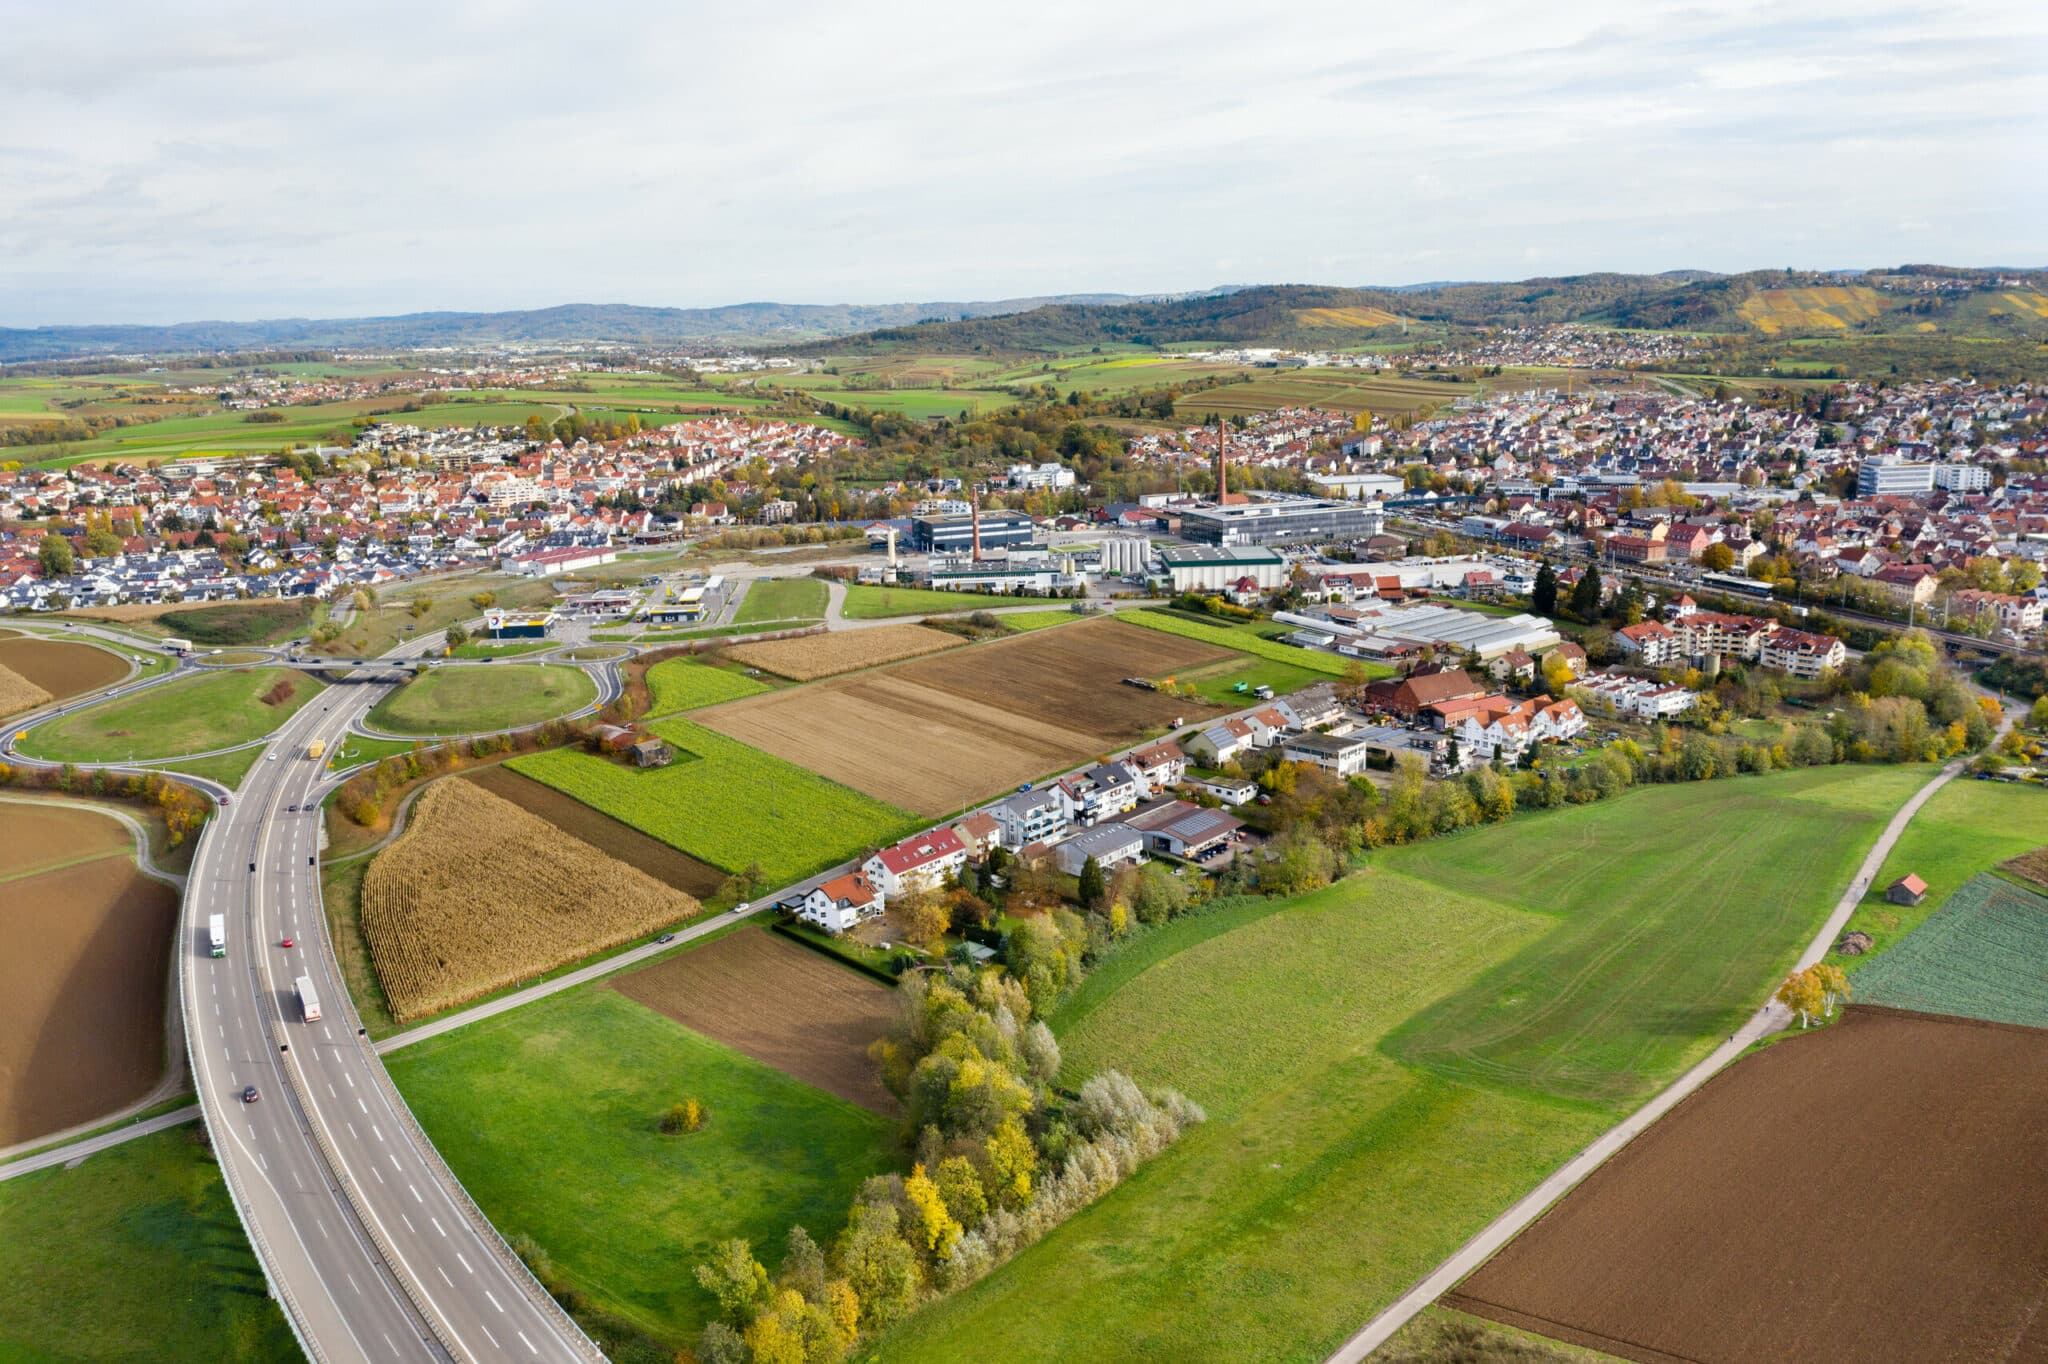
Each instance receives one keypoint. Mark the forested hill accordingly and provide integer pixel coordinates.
(1766, 302)
(739, 323)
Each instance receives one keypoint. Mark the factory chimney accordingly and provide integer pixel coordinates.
(977, 525)
(1222, 461)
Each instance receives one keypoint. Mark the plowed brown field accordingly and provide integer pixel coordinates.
(60, 667)
(781, 1004)
(573, 817)
(84, 943)
(1877, 1191)
(810, 657)
(939, 733)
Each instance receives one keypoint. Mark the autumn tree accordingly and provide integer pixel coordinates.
(1717, 558)
(54, 556)
(734, 1277)
(924, 915)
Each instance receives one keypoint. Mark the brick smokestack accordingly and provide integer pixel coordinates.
(977, 525)
(1222, 461)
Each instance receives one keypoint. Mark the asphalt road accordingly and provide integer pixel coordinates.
(362, 1230)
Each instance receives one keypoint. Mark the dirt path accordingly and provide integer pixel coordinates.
(1766, 1020)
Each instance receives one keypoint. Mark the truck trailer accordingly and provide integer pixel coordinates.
(309, 1002)
(316, 748)
(217, 930)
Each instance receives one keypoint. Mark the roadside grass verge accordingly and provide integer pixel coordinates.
(472, 700)
(226, 768)
(135, 1255)
(188, 715)
(575, 1085)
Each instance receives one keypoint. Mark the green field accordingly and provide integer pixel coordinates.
(1018, 622)
(467, 700)
(226, 768)
(1979, 956)
(508, 648)
(732, 806)
(194, 714)
(1968, 827)
(1333, 1172)
(1249, 639)
(548, 1116)
(782, 599)
(390, 622)
(1217, 682)
(262, 621)
(354, 749)
(135, 1255)
(876, 603)
(685, 684)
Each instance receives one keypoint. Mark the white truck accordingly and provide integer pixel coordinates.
(309, 1002)
(217, 930)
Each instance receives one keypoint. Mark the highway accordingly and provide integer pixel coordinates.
(372, 1248)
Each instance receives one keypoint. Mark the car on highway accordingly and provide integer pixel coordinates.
(249, 1094)
(285, 941)
(271, 756)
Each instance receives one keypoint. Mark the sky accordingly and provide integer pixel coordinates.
(168, 162)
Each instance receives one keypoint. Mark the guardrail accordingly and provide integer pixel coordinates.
(187, 926)
(385, 1250)
(487, 1233)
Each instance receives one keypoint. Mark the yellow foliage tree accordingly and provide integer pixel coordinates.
(1012, 1161)
(936, 1226)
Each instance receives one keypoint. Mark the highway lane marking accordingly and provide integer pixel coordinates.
(300, 1184)
(323, 1229)
(487, 1331)
(408, 1224)
(350, 1078)
(494, 1301)
(377, 1172)
(351, 1129)
(394, 1163)
(523, 1340)
(360, 1104)
(330, 1092)
(437, 1225)
(352, 1282)
(444, 1276)
(375, 1132)
(465, 1263)
(416, 1195)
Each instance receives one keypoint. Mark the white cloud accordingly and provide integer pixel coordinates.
(246, 160)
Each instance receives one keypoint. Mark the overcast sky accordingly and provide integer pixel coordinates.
(166, 162)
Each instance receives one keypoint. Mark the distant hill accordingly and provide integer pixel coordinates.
(2009, 303)
(1999, 303)
(739, 323)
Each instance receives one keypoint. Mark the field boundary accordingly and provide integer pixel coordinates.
(1768, 1019)
(829, 953)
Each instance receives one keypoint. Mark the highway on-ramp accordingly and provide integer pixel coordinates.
(365, 1236)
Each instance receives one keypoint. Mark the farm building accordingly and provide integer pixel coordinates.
(1111, 845)
(842, 902)
(1907, 890)
(649, 751)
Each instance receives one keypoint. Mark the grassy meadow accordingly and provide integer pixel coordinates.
(470, 699)
(574, 1085)
(1391, 1061)
(135, 1255)
(865, 602)
(782, 599)
(196, 714)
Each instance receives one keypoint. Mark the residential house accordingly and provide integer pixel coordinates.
(1157, 766)
(1111, 845)
(922, 861)
(1029, 817)
(1342, 757)
(842, 902)
(1103, 791)
(1801, 654)
(1181, 829)
(980, 834)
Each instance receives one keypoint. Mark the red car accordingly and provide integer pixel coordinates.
(287, 942)
(249, 1094)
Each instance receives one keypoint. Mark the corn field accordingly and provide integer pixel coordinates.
(813, 656)
(18, 694)
(479, 894)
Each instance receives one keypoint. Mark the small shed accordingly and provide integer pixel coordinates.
(649, 751)
(1907, 890)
